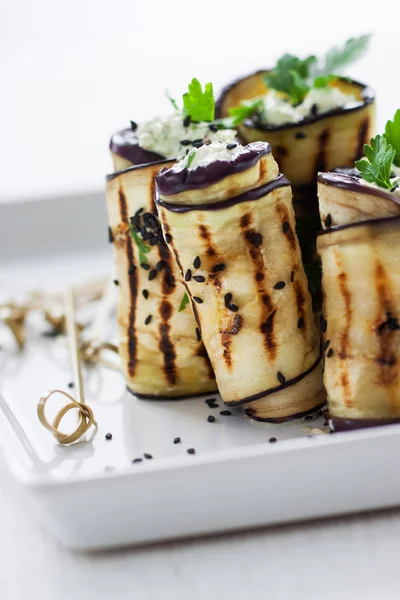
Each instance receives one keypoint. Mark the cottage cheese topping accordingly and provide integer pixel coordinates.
(165, 135)
(395, 181)
(278, 110)
(210, 153)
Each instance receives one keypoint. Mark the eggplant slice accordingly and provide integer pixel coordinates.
(319, 143)
(160, 352)
(232, 232)
(360, 249)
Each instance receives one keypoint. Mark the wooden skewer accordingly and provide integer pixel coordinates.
(86, 419)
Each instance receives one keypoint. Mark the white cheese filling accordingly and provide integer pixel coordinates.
(207, 154)
(395, 182)
(165, 134)
(279, 111)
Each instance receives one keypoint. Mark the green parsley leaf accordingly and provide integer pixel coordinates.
(377, 166)
(245, 110)
(337, 58)
(142, 247)
(172, 100)
(184, 302)
(190, 158)
(292, 76)
(392, 135)
(199, 105)
(324, 80)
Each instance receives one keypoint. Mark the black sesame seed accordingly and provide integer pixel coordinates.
(225, 413)
(394, 188)
(314, 110)
(291, 276)
(110, 236)
(146, 236)
(148, 456)
(145, 266)
(147, 320)
(71, 384)
(329, 353)
(131, 270)
(198, 300)
(191, 451)
(186, 121)
(328, 221)
(168, 238)
(210, 401)
(300, 135)
(231, 146)
(152, 274)
(326, 345)
(323, 323)
(285, 227)
(300, 323)
(135, 220)
(116, 282)
(177, 440)
(137, 460)
(219, 267)
(199, 278)
(139, 211)
(198, 334)
(213, 128)
(185, 142)
(198, 141)
(160, 265)
(272, 440)
(154, 240)
(188, 275)
(108, 436)
(281, 378)
(280, 285)
(145, 294)
(228, 298)
(197, 262)
(232, 307)
(211, 419)
(133, 125)
(198, 144)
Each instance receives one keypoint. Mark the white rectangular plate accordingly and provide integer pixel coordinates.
(91, 495)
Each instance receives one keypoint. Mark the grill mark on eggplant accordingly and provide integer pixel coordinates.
(226, 337)
(206, 236)
(320, 163)
(133, 286)
(165, 344)
(386, 359)
(285, 218)
(362, 139)
(254, 241)
(201, 351)
(344, 345)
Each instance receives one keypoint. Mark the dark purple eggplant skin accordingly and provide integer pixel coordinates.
(343, 424)
(249, 196)
(170, 181)
(368, 97)
(125, 144)
(351, 181)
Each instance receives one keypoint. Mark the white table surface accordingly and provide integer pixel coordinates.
(353, 557)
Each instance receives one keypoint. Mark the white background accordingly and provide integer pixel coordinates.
(74, 71)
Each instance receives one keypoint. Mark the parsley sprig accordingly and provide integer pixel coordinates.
(376, 167)
(244, 111)
(199, 105)
(142, 247)
(295, 77)
(184, 302)
(392, 135)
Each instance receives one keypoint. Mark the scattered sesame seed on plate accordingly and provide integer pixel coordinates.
(108, 436)
(225, 413)
(191, 451)
(210, 418)
(177, 440)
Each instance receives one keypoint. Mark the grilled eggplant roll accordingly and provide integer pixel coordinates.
(359, 248)
(228, 219)
(161, 354)
(327, 130)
